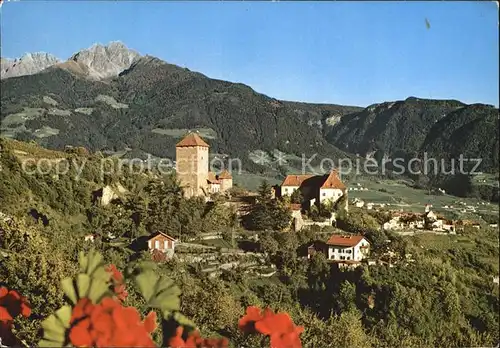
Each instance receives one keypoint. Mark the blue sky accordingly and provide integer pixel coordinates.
(356, 53)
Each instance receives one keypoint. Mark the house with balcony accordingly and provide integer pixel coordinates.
(351, 249)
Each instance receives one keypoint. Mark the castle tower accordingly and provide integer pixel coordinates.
(192, 165)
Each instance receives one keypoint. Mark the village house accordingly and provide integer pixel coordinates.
(162, 242)
(315, 189)
(358, 203)
(347, 249)
(427, 220)
(192, 166)
(401, 220)
(394, 223)
(462, 223)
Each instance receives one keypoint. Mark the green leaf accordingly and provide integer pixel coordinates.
(53, 325)
(182, 320)
(159, 292)
(83, 284)
(94, 261)
(101, 273)
(69, 289)
(48, 344)
(53, 336)
(147, 265)
(146, 282)
(83, 261)
(64, 315)
(98, 290)
(168, 300)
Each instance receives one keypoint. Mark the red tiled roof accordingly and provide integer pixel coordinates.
(157, 234)
(295, 179)
(192, 139)
(333, 181)
(224, 175)
(347, 241)
(212, 179)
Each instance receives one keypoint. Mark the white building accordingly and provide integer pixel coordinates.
(349, 249)
(315, 189)
(358, 203)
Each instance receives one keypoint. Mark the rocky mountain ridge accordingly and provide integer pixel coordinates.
(28, 64)
(96, 62)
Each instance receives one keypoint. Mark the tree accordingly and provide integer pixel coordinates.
(318, 272)
(346, 300)
(265, 193)
(268, 214)
(297, 197)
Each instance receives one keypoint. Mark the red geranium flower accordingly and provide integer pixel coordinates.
(109, 324)
(11, 305)
(288, 339)
(279, 327)
(280, 322)
(247, 322)
(118, 282)
(115, 273)
(194, 340)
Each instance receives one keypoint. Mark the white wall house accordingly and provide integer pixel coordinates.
(347, 248)
(332, 194)
(315, 189)
(288, 190)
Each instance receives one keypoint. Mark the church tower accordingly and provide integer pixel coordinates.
(192, 165)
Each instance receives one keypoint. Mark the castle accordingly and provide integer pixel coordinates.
(192, 168)
(315, 189)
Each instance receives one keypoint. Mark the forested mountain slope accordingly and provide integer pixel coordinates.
(443, 128)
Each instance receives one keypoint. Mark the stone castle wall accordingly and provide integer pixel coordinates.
(192, 169)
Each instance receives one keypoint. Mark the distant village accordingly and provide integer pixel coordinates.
(314, 191)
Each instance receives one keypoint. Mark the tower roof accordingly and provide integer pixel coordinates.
(224, 175)
(192, 139)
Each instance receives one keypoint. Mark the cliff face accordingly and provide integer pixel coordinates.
(106, 61)
(97, 62)
(29, 64)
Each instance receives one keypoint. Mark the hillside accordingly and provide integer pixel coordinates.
(151, 104)
(471, 131)
(426, 290)
(443, 128)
